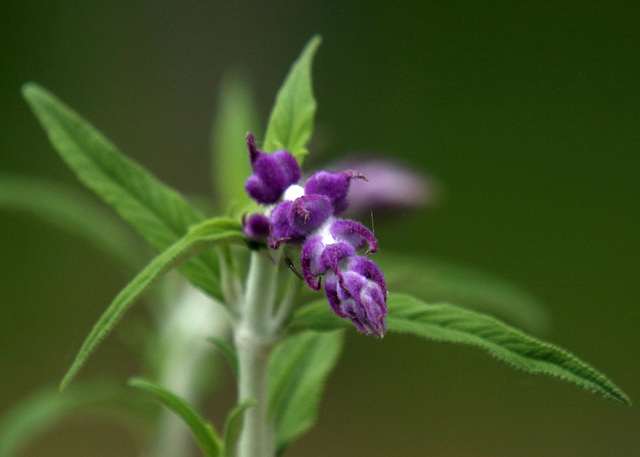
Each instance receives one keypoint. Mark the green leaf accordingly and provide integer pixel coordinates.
(298, 370)
(204, 434)
(438, 281)
(227, 350)
(73, 212)
(233, 425)
(236, 116)
(158, 213)
(199, 238)
(453, 324)
(47, 407)
(291, 121)
(317, 316)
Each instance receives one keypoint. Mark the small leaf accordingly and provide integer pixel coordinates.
(71, 211)
(298, 370)
(453, 324)
(317, 316)
(204, 434)
(236, 116)
(291, 121)
(158, 213)
(199, 238)
(227, 350)
(439, 281)
(233, 425)
(45, 408)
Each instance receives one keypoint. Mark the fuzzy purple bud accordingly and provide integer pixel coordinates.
(310, 211)
(256, 227)
(360, 295)
(354, 233)
(281, 228)
(317, 258)
(335, 186)
(272, 173)
(292, 221)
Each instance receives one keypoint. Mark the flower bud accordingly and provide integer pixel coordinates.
(256, 227)
(360, 295)
(272, 173)
(335, 186)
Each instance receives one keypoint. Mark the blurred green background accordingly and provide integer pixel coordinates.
(528, 112)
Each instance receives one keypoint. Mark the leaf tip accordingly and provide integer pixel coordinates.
(316, 39)
(312, 46)
(30, 90)
(65, 382)
(135, 382)
(624, 398)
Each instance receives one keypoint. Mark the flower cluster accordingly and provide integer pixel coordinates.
(306, 217)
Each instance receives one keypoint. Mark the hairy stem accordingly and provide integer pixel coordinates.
(184, 326)
(254, 338)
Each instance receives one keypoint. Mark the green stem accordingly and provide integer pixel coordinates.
(254, 338)
(184, 326)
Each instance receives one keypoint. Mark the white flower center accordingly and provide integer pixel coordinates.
(323, 231)
(293, 191)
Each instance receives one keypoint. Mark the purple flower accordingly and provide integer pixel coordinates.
(335, 186)
(359, 294)
(292, 221)
(354, 285)
(340, 239)
(272, 173)
(256, 227)
(317, 258)
(354, 233)
(306, 216)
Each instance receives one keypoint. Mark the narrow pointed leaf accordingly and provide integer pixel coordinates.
(73, 212)
(453, 324)
(204, 434)
(45, 408)
(233, 425)
(298, 371)
(200, 238)
(291, 121)
(438, 281)
(158, 213)
(236, 115)
(227, 350)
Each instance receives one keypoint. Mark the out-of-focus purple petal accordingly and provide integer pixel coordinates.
(389, 185)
